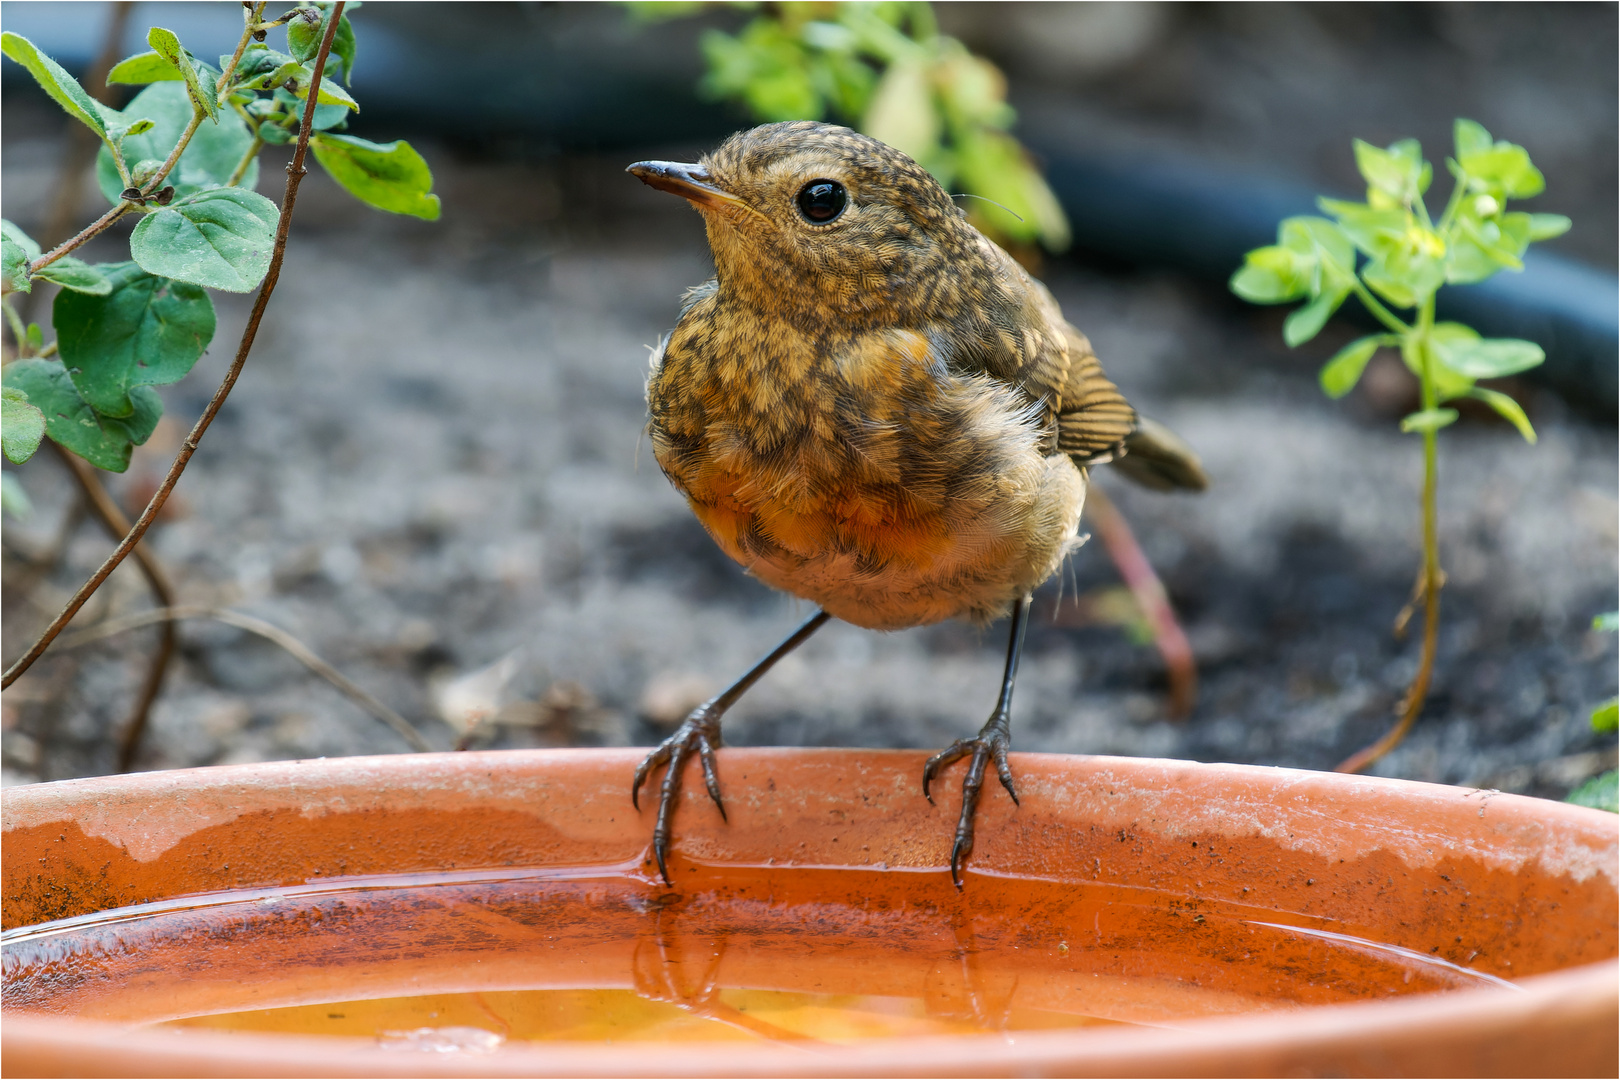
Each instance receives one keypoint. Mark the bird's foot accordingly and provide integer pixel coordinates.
(698, 734)
(990, 744)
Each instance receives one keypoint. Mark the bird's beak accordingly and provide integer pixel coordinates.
(690, 182)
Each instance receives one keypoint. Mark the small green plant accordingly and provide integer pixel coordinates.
(886, 70)
(1602, 792)
(183, 157)
(1390, 253)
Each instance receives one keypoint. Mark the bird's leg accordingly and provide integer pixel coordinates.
(990, 744)
(700, 733)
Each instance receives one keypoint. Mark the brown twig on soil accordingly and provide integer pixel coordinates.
(1145, 585)
(117, 523)
(295, 174)
(297, 649)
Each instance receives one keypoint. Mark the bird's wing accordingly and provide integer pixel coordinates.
(1028, 343)
(1094, 420)
(1035, 348)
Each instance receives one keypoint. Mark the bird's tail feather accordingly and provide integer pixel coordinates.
(1157, 458)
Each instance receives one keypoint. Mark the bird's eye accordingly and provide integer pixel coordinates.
(820, 201)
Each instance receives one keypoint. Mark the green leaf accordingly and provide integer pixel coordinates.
(1306, 322)
(1323, 240)
(1340, 374)
(21, 425)
(390, 176)
(1397, 172)
(304, 40)
(1606, 717)
(330, 94)
(1609, 620)
(166, 45)
(765, 67)
(326, 116)
(1375, 232)
(1471, 137)
(142, 68)
(221, 238)
(343, 48)
(902, 112)
(63, 88)
(14, 259)
(1500, 167)
(1429, 420)
(1479, 248)
(103, 441)
(147, 332)
(275, 76)
(210, 157)
(1272, 275)
(1507, 409)
(70, 273)
(993, 165)
(1547, 226)
(1600, 793)
(16, 236)
(1447, 383)
(1406, 277)
(1486, 358)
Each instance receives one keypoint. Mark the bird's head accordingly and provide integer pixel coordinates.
(813, 222)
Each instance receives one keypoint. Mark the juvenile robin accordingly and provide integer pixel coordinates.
(873, 407)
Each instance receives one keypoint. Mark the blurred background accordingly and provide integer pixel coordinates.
(433, 472)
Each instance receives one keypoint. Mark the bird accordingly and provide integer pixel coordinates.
(874, 407)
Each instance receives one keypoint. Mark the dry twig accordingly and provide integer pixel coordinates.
(1145, 585)
(116, 521)
(297, 649)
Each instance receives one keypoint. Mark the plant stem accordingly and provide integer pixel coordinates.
(247, 159)
(251, 18)
(269, 631)
(1380, 312)
(79, 239)
(116, 522)
(1431, 579)
(1458, 190)
(295, 174)
(1148, 590)
(15, 324)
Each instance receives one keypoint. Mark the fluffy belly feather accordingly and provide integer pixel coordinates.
(895, 574)
(878, 556)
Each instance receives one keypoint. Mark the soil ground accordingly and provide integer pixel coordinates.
(435, 466)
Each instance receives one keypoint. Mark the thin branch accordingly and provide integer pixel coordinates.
(79, 239)
(1379, 311)
(247, 159)
(251, 18)
(295, 173)
(1150, 596)
(297, 649)
(116, 522)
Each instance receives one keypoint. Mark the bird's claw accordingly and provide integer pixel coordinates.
(989, 745)
(699, 733)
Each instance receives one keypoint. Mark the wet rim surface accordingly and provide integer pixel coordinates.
(1456, 846)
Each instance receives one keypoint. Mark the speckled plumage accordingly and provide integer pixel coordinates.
(884, 414)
